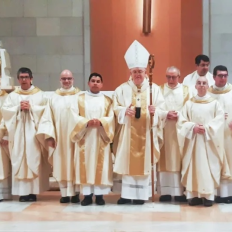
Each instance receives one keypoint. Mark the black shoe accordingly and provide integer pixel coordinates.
(227, 200)
(138, 202)
(165, 198)
(24, 198)
(207, 203)
(219, 199)
(75, 199)
(1, 200)
(180, 198)
(99, 200)
(195, 201)
(87, 201)
(64, 200)
(32, 197)
(123, 201)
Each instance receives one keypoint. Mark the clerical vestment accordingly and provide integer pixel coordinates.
(133, 153)
(57, 122)
(202, 154)
(224, 96)
(93, 160)
(190, 81)
(5, 165)
(169, 165)
(30, 169)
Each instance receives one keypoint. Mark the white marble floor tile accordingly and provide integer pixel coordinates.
(113, 208)
(225, 208)
(107, 226)
(13, 206)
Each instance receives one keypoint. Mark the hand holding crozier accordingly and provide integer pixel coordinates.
(151, 109)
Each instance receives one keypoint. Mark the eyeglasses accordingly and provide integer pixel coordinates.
(66, 78)
(223, 75)
(172, 77)
(24, 77)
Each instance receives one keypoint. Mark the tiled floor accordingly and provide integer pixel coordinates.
(47, 214)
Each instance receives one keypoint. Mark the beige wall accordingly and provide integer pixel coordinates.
(47, 36)
(217, 33)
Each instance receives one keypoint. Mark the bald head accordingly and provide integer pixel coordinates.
(202, 79)
(66, 79)
(66, 73)
(202, 86)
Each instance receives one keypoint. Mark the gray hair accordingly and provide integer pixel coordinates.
(173, 69)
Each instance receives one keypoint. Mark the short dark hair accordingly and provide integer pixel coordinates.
(96, 75)
(201, 57)
(24, 70)
(219, 68)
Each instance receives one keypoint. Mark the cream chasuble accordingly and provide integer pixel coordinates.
(202, 155)
(57, 122)
(190, 81)
(30, 170)
(93, 160)
(5, 165)
(169, 165)
(224, 96)
(133, 153)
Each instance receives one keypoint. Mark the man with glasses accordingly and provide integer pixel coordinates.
(200, 136)
(22, 111)
(56, 124)
(132, 108)
(169, 165)
(222, 91)
(202, 69)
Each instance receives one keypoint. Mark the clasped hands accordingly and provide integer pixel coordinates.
(130, 111)
(230, 125)
(4, 142)
(24, 105)
(94, 123)
(51, 142)
(172, 115)
(199, 129)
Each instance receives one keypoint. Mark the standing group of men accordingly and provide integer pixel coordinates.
(73, 131)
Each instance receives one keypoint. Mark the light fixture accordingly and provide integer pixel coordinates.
(146, 16)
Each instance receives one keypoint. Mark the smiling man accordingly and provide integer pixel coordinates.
(202, 63)
(200, 135)
(56, 124)
(169, 165)
(222, 91)
(22, 111)
(132, 108)
(93, 134)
